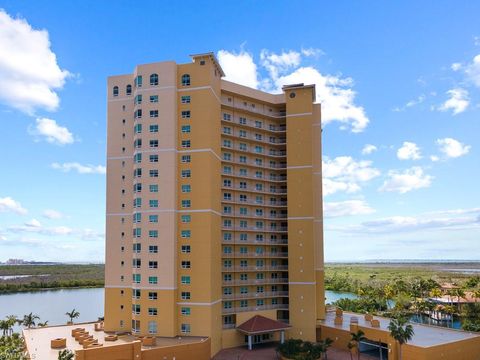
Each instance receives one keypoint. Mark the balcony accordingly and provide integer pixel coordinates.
(280, 166)
(279, 229)
(255, 190)
(255, 282)
(274, 178)
(252, 254)
(256, 242)
(229, 326)
(254, 216)
(254, 268)
(255, 295)
(255, 111)
(238, 309)
(256, 203)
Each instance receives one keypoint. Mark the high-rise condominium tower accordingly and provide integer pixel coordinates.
(214, 205)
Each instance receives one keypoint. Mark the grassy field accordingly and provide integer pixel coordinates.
(50, 276)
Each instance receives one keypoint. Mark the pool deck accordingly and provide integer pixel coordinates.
(425, 335)
(38, 340)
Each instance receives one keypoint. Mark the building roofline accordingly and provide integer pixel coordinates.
(212, 56)
(301, 86)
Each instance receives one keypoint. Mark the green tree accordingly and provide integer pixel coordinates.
(354, 343)
(72, 315)
(29, 320)
(402, 332)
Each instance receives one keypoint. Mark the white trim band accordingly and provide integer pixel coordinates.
(299, 114)
(199, 303)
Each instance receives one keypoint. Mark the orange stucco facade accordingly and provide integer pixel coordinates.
(214, 210)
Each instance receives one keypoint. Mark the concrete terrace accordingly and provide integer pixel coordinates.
(425, 335)
(38, 340)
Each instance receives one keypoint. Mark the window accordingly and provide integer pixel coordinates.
(227, 291)
(227, 305)
(243, 159)
(137, 232)
(186, 158)
(185, 280)
(186, 249)
(153, 113)
(152, 295)
(185, 129)
(227, 169)
(153, 158)
(129, 89)
(153, 249)
(153, 218)
(242, 121)
(186, 114)
(185, 80)
(135, 326)
(154, 79)
(243, 146)
(185, 295)
(115, 91)
(227, 183)
(154, 98)
(185, 328)
(227, 130)
(137, 128)
(243, 303)
(153, 234)
(137, 158)
(137, 143)
(227, 156)
(185, 234)
(227, 236)
(152, 280)
(186, 99)
(137, 218)
(153, 128)
(243, 133)
(227, 143)
(227, 117)
(185, 311)
(153, 203)
(185, 144)
(138, 81)
(153, 143)
(186, 174)
(186, 264)
(153, 173)
(138, 99)
(136, 278)
(186, 219)
(136, 263)
(152, 327)
(137, 114)
(258, 124)
(137, 188)
(186, 188)
(137, 248)
(136, 309)
(153, 188)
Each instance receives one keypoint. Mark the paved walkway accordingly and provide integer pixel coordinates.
(267, 352)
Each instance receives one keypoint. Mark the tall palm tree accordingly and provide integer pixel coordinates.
(354, 344)
(436, 293)
(401, 332)
(29, 320)
(72, 315)
(4, 327)
(11, 321)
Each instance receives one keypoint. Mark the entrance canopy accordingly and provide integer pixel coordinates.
(262, 325)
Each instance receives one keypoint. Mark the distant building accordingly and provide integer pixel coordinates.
(16, 262)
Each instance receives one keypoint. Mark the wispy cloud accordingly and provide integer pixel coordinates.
(458, 101)
(79, 168)
(7, 204)
(346, 208)
(406, 181)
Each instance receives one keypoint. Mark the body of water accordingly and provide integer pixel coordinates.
(52, 305)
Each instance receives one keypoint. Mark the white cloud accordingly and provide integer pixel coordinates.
(239, 68)
(312, 52)
(345, 174)
(456, 66)
(81, 169)
(452, 148)
(472, 70)
(458, 101)
(29, 73)
(368, 149)
(443, 220)
(52, 132)
(408, 180)
(434, 158)
(420, 99)
(52, 214)
(7, 204)
(409, 151)
(333, 92)
(346, 208)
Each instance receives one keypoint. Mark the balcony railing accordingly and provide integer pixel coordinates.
(281, 166)
(279, 229)
(229, 326)
(256, 242)
(254, 216)
(255, 110)
(238, 309)
(264, 254)
(278, 178)
(255, 190)
(256, 203)
(238, 282)
(255, 295)
(254, 268)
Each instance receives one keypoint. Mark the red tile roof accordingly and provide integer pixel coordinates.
(260, 324)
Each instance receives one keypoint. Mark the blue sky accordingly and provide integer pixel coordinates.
(399, 84)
